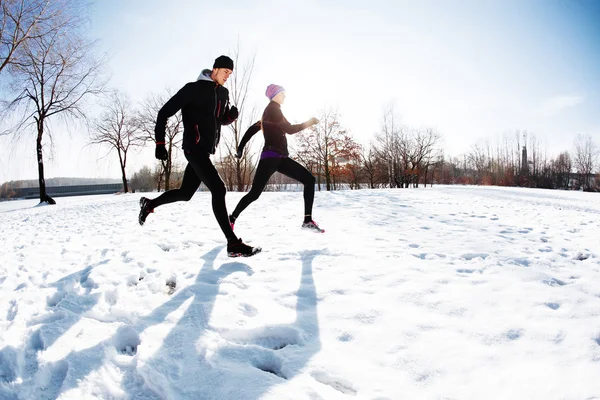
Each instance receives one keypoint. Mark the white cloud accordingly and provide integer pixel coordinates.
(557, 104)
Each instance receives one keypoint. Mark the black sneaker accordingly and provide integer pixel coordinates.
(237, 248)
(144, 210)
(312, 226)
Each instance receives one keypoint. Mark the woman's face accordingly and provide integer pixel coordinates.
(280, 97)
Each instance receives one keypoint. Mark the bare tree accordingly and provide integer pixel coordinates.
(116, 128)
(374, 167)
(237, 171)
(368, 164)
(586, 158)
(146, 121)
(56, 72)
(388, 146)
(479, 162)
(425, 152)
(562, 167)
(21, 21)
(142, 180)
(326, 144)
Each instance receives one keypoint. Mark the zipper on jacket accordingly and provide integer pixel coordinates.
(214, 147)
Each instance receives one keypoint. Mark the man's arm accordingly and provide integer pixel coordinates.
(229, 115)
(174, 104)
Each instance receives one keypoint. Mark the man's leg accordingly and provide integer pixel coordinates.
(209, 175)
(189, 185)
(266, 168)
(206, 171)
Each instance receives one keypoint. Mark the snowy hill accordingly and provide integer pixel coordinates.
(444, 292)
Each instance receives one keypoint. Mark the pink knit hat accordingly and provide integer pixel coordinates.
(273, 90)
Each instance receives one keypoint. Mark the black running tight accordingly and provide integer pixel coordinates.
(286, 166)
(200, 170)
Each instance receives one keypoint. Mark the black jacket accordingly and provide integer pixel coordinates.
(274, 126)
(204, 106)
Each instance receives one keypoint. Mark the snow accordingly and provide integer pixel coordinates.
(437, 293)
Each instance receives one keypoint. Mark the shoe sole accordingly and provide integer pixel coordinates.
(314, 230)
(254, 251)
(140, 214)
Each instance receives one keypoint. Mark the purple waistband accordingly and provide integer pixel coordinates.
(270, 154)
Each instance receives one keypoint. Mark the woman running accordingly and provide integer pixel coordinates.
(275, 157)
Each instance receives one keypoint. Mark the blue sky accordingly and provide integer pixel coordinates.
(471, 69)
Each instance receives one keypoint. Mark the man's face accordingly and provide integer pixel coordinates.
(220, 75)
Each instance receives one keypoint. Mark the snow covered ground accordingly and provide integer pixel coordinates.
(437, 293)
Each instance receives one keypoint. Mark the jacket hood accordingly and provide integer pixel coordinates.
(205, 75)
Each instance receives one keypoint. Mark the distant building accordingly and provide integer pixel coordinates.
(63, 191)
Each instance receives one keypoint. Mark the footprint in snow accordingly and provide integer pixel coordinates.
(248, 310)
(345, 337)
(12, 311)
(472, 256)
(554, 282)
(514, 334)
(337, 383)
(8, 365)
(270, 337)
(126, 340)
(581, 256)
(172, 286)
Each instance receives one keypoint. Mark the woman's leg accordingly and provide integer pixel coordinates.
(294, 170)
(266, 168)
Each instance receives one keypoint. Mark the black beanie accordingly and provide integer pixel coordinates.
(223, 62)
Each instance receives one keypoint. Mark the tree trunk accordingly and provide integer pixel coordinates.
(168, 175)
(125, 188)
(168, 166)
(42, 182)
(159, 183)
(122, 162)
(238, 175)
(319, 176)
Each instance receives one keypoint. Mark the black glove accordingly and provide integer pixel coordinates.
(161, 152)
(233, 113)
(239, 153)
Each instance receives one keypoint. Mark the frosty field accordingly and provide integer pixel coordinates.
(447, 292)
